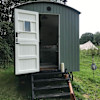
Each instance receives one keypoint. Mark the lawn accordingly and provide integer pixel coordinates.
(85, 86)
(9, 86)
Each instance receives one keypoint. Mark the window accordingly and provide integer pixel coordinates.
(27, 26)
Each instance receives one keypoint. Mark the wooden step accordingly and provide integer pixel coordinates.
(51, 84)
(48, 73)
(50, 80)
(50, 87)
(53, 95)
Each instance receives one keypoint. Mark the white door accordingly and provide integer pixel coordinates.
(26, 42)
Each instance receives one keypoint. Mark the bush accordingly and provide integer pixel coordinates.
(5, 52)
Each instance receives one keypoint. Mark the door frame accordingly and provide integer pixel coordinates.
(58, 35)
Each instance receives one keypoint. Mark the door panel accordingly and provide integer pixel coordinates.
(26, 42)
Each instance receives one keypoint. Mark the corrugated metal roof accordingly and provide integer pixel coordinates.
(47, 2)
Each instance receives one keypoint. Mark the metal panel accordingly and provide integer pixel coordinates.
(69, 31)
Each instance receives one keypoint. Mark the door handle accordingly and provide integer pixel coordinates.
(17, 38)
(16, 34)
(17, 43)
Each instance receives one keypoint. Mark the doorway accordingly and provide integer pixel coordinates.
(49, 42)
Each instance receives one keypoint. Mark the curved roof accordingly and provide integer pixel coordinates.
(30, 2)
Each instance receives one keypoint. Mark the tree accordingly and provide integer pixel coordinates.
(97, 38)
(86, 37)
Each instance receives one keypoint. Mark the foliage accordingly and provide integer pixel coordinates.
(79, 90)
(92, 52)
(86, 37)
(97, 38)
(7, 42)
(6, 34)
(9, 34)
(5, 52)
(94, 38)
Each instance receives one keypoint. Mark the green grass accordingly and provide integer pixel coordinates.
(9, 87)
(85, 87)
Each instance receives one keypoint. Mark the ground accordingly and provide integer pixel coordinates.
(86, 87)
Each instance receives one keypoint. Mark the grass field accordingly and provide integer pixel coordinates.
(85, 86)
(9, 86)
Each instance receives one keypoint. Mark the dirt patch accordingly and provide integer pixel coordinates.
(86, 96)
(77, 79)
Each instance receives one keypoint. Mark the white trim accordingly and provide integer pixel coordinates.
(26, 32)
(28, 21)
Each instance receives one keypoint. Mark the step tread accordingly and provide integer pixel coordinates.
(52, 95)
(51, 79)
(47, 73)
(50, 87)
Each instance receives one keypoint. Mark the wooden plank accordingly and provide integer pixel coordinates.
(53, 95)
(48, 69)
(49, 80)
(48, 73)
(51, 87)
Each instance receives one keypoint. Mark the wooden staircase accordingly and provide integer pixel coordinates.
(52, 84)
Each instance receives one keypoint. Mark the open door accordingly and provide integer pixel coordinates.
(26, 42)
(49, 41)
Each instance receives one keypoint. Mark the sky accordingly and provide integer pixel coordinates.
(90, 14)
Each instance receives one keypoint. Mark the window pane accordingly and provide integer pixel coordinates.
(27, 26)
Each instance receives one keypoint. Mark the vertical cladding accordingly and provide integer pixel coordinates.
(76, 44)
(70, 40)
(67, 40)
(77, 39)
(64, 32)
(61, 35)
(73, 40)
(69, 31)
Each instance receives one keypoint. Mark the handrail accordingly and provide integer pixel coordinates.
(72, 95)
